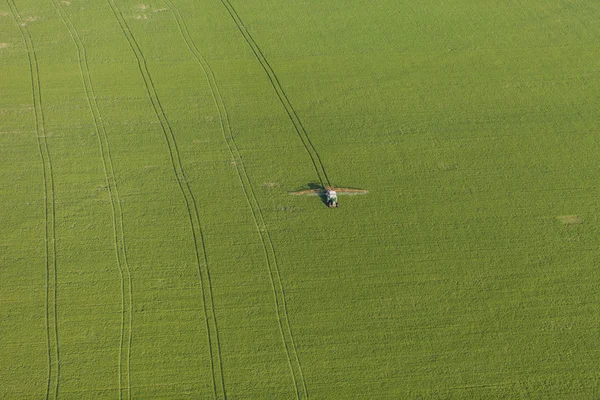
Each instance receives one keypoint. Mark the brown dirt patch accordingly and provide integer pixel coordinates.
(28, 20)
(4, 45)
(569, 220)
(447, 166)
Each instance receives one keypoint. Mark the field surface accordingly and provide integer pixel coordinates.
(150, 247)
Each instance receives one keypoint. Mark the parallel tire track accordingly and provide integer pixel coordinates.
(272, 264)
(53, 378)
(115, 203)
(192, 209)
(283, 98)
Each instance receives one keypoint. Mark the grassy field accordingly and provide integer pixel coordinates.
(150, 247)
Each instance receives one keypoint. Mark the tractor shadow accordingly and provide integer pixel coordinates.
(319, 191)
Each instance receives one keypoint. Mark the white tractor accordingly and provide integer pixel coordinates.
(332, 200)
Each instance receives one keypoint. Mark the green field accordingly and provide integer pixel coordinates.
(150, 247)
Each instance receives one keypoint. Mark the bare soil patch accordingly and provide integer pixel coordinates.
(28, 20)
(569, 220)
(447, 166)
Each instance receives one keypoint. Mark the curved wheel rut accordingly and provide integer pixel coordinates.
(281, 95)
(115, 204)
(52, 337)
(209, 317)
(279, 297)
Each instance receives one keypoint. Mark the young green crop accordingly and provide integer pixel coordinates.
(151, 248)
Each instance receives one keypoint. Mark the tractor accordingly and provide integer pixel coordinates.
(331, 197)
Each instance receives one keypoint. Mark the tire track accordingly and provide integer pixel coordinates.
(210, 319)
(115, 204)
(270, 255)
(281, 95)
(53, 378)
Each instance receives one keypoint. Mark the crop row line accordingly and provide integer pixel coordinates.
(192, 210)
(53, 353)
(281, 95)
(265, 236)
(115, 204)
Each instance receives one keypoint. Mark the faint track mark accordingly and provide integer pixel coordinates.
(192, 209)
(53, 378)
(265, 236)
(115, 202)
